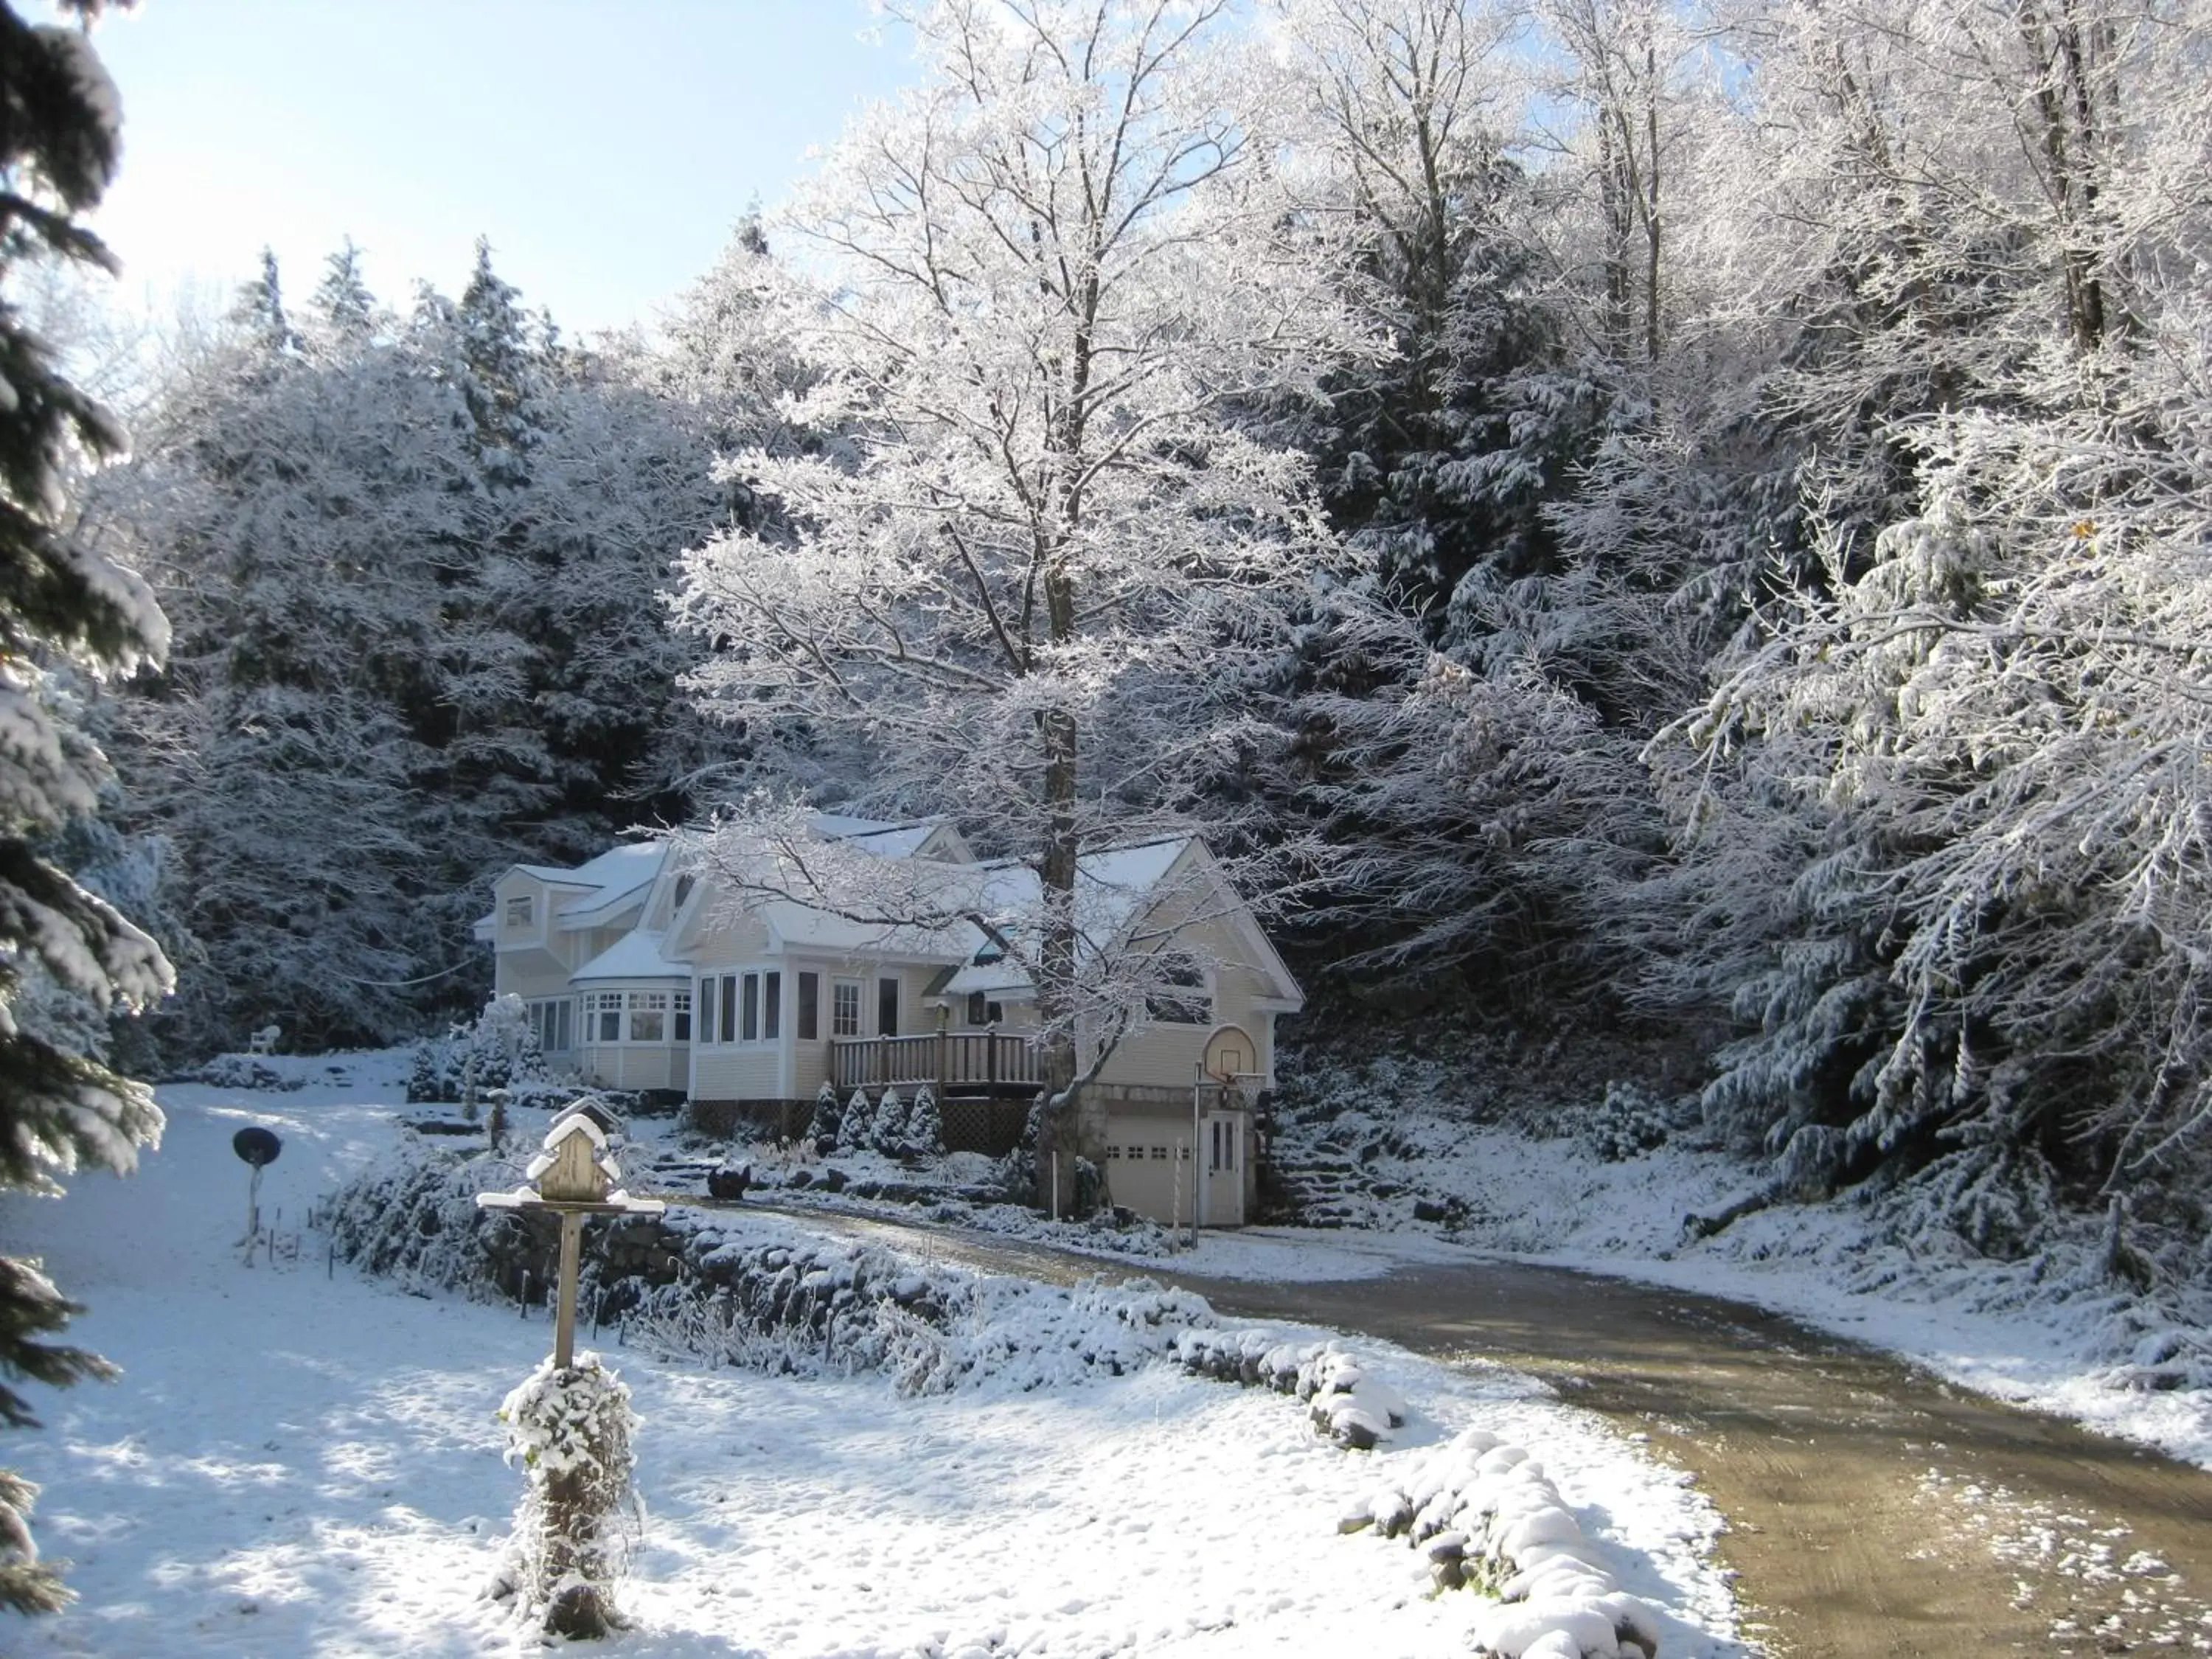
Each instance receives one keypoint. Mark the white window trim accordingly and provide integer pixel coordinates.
(593, 1006)
(730, 1036)
(860, 991)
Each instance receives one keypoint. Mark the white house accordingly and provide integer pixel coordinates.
(651, 967)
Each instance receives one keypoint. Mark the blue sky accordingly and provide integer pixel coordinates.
(605, 146)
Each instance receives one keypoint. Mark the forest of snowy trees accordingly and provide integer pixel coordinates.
(1690, 513)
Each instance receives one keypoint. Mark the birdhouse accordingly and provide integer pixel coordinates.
(574, 1169)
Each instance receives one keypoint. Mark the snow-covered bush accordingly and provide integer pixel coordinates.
(857, 1127)
(496, 1050)
(823, 1128)
(416, 1219)
(241, 1072)
(571, 1428)
(925, 1126)
(1355, 1410)
(887, 1134)
(1487, 1517)
(1630, 1121)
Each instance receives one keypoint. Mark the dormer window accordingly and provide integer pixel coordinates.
(518, 911)
(683, 891)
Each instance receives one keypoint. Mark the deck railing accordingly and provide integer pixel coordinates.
(950, 1062)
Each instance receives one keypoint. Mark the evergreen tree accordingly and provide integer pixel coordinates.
(59, 602)
(822, 1128)
(925, 1125)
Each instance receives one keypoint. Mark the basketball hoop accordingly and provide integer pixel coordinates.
(1230, 1055)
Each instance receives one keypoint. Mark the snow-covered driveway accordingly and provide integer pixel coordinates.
(1873, 1511)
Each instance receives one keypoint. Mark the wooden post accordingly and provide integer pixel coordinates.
(937, 1087)
(564, 1328)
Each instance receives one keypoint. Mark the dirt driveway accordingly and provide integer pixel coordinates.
(1873, 1510)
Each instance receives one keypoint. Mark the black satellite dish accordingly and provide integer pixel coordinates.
(257, 1146)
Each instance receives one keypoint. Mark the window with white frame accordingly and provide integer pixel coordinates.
(810, 1007)
(679, 1014)
(707, 1027)
(845, 1008)
(760, 1007)
(1177, 995)
(518, 911)
(603, 1016)
(649, 1016)
(550, 1018)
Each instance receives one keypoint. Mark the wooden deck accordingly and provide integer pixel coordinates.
(982, 1065)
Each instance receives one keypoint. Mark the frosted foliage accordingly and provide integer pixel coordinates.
(857, 1129)
(1033, 569)
(68, 612)
(824, 1127)
(413, 562)
(1993, 720)
(1474, 805)
(571, 1428)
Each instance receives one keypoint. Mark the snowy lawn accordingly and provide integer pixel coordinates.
(297, 1464)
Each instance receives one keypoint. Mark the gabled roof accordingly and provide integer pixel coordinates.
(634, 955)
(1113, 888)
(765, 872)
(619, 877)
(888, 840)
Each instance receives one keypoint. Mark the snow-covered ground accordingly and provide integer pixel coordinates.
(2066, 1341)
(298, 1462)
(2079, 1347)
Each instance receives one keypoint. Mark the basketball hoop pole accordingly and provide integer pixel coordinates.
(1197, 1123)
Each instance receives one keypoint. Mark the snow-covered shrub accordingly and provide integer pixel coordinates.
(925, 1126)
(887, 1133)
(858, 1125)
(1486, 1516)
(823, 1128)
(241, 1072)
(571, 1428)
(433, 1076)
(416, 1220)
(1630, 1121)
(498, 1049)
(1355, 1410)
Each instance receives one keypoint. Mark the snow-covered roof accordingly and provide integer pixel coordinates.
(634, 955)
(949, 889)
(885, 839)
(615, 877)
(618, 869)
(1111, 886)
(1000, 980)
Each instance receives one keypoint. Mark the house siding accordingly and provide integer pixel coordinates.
(529, 975)
(634, 1066)
(736, 942)
(735, 1073)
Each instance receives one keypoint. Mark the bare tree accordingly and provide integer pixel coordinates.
(1031, 582)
